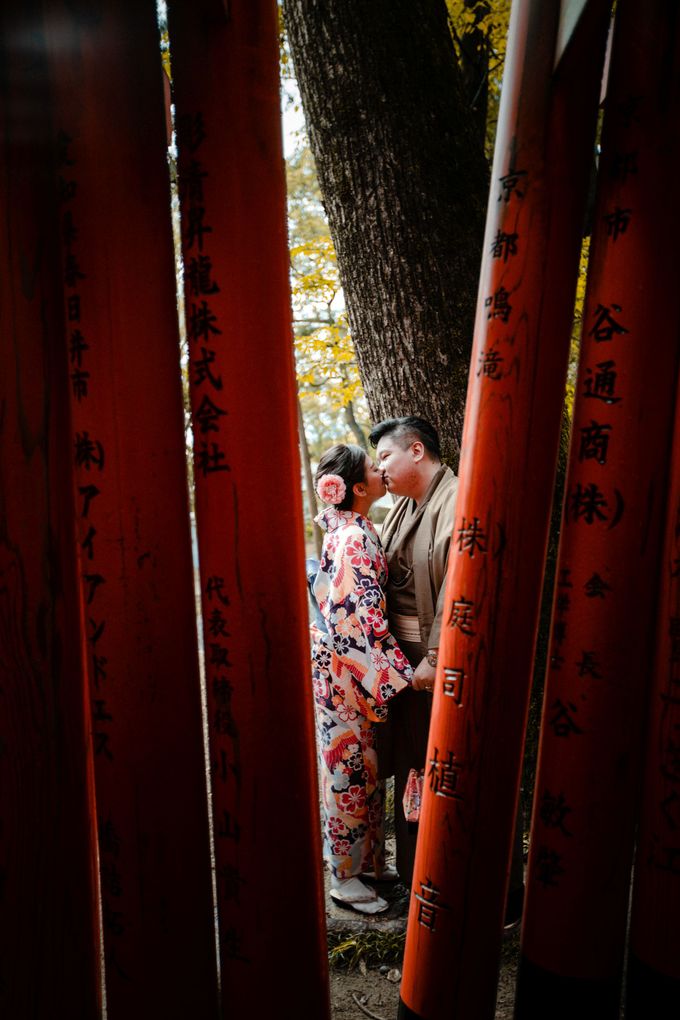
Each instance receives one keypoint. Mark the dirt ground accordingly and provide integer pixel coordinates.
(370, 988)
(379, 995)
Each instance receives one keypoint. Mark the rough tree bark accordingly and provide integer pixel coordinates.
(404, 181)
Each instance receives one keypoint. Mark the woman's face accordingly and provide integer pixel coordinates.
(375, 486)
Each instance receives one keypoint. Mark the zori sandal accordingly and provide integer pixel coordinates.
(387, 874)
(352, 894)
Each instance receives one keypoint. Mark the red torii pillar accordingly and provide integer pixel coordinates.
(248, 508)
(49, 959)
(517, 376)
(128, 451)
(601, 651)
(653, 978)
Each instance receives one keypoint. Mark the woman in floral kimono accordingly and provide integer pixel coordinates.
(357, 667)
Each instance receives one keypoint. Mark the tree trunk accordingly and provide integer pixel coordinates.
(354, 425)
(404, 181)
(309, 480)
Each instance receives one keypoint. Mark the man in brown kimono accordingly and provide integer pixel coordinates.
(416, 536)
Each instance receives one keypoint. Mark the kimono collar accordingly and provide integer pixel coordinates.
(330, 519)
(431, 489)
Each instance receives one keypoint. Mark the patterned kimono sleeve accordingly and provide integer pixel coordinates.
(387, 670)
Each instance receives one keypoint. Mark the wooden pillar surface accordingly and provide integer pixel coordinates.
(601, 653)
(128, 451)
(512, 420)
(654, 950)
(49, 959)
(248, 508)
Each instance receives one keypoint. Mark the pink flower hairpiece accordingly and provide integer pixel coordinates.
(331, 489)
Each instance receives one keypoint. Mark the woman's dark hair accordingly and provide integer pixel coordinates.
(349, 462)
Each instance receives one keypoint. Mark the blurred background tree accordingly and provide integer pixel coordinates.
(401, 102)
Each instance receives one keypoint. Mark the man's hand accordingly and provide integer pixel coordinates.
(423, 676)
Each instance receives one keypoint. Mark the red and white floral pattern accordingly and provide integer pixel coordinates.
(357, 668)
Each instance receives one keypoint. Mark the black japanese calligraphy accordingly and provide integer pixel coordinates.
(504, 245)
(229, 882)
(594, 442)
(617, 222)
(606, 327)
(587, 503)
(203, 370)
(191, 182)
(623, 164)
(92, 581)
(199, 276)
(553, 810)
(498, 305)
(548, 867)
(229, 827)
(461, 616)
(601, 384)
(89, 452)
(510, 184)
(595, 587)
(429, 905)
(489, 364)
(588, 665)
(215, 586)
(562, 720)
(471, 537)
(208, 415)
(443, 775)
(196, 228)
(79, 381)
(202, 322)
(210, 458)
(453, 682)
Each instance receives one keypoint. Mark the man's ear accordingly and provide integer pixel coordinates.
(418, 450)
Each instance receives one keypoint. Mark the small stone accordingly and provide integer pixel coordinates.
(384, 969)
(394, 975)
(363, 968)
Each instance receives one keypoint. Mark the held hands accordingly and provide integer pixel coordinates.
(423, 676)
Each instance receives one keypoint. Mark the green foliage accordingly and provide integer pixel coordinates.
(577, 325)
(375, 948)
(479, 29)
(327, 372)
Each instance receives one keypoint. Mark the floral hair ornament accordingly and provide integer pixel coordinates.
(331, 489)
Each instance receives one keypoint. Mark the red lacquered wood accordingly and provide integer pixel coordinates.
(49, 958)
(601, 654)
(654, 952)
(536, 208)
(127, 446)
(248, 508)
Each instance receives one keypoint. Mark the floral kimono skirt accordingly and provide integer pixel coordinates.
(348, 767)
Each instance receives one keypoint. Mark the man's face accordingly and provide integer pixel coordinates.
(399, 467)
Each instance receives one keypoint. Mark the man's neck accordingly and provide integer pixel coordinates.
(426, 480)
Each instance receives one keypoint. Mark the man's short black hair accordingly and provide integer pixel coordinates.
(407, 430)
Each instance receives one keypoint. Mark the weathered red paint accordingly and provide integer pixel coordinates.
(127, 447)
(601, 654)
(248, 507)
(49, 958)
(517, 375)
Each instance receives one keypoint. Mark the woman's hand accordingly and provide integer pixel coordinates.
(423, 676)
